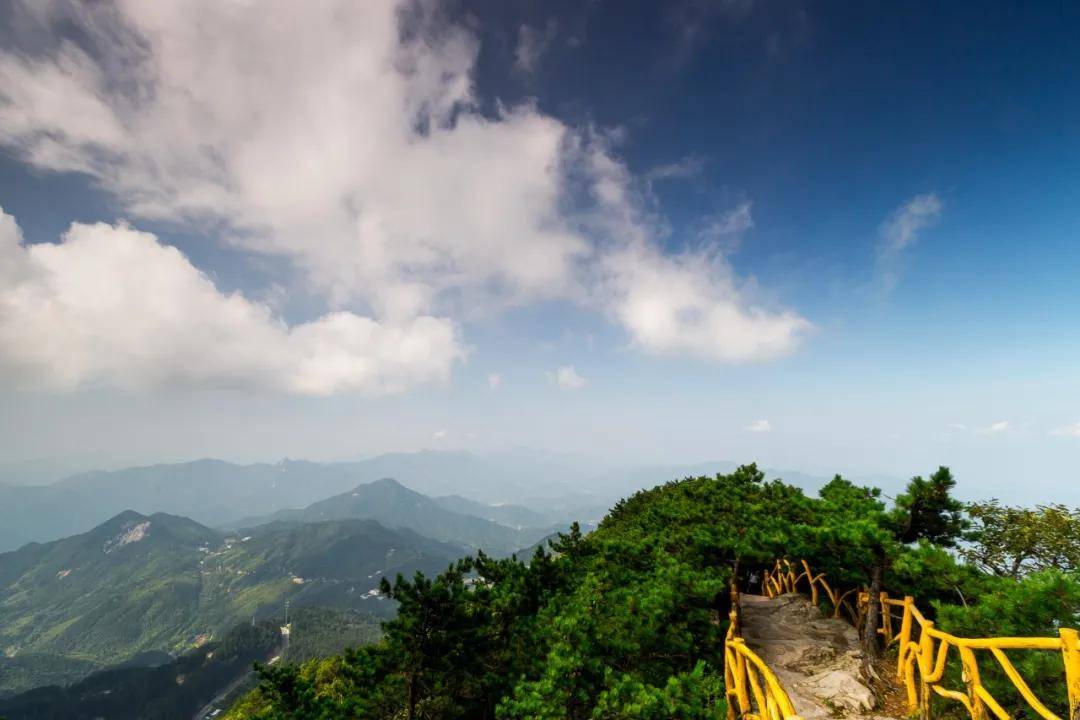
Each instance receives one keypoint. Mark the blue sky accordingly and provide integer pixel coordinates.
(787, 232)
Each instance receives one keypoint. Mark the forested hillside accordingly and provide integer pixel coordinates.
(178, 687)
(139, 583)
(629, 622)
(171, 691)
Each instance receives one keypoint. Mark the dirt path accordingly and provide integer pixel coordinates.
(816, 659)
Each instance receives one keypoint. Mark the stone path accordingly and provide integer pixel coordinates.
(817, 659)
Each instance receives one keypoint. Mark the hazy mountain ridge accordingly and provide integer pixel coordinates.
(211, 492)
(395, 505)
(218, 493)
(515, 516)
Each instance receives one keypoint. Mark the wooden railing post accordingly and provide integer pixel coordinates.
(730, 693)
(741, 686)
(813, 585)
(886, 617)
(926, 667)
(905, 636)
(971, 679)
(1070, 648)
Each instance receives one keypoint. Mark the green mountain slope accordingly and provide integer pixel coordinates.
(203, 678)
(139, 583)
(174, 690)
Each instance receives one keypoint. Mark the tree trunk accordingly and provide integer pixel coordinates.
(870, 645)
(413, 696)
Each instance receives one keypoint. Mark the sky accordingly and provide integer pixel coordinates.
(816, 236)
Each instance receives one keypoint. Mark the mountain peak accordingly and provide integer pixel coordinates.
(126, 516)
(384, 482)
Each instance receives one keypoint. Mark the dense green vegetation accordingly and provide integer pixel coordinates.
(320, 632)
(163, 583)
(178, 687)
(172, 691)
(23, 672)
(629, 621)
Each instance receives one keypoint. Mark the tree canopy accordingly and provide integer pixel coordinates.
(629, 621)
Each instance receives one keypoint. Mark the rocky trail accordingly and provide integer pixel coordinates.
(817, 659)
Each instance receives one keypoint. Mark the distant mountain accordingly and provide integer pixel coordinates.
(142, 583)
(211, 492)
(395, 505)
(216, 493)
(510, 515)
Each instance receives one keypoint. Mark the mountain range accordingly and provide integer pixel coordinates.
(518, 489)
(395, 505)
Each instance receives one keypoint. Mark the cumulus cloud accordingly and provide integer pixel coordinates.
(110, 305)
(567, 378)
(759, 426)
(900, 231)
(690, 304)
(1072, 430)
(347, 138)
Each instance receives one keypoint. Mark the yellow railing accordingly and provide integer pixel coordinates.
(752, 689)
(923, 651)
(781, 581)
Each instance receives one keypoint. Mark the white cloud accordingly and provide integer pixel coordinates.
(324, 134)
(724, 231)
(439, 435)
(759, 426)
(494, 381)
(733, 222)
(900, 231)
(682, 169)
(1072, 430)
(957, 426)
(532, 45)
(690, 304)
(994, 428)
(110, 305)
(567, 378)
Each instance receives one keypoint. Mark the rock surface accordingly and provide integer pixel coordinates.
(817, 659)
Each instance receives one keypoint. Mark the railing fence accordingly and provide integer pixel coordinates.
(923, 657)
